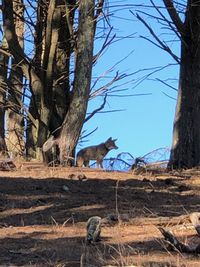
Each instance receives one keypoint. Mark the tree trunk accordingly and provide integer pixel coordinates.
(185, 152)
(74, 119)
(54, 103)
(3, 88)
(28, 69)
(61, 71)
(36, 96)
(53, 50)
(15, 121)
(49, 17)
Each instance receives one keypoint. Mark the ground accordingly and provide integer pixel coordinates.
(44, 213)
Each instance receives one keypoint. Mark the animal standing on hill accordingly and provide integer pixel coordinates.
(95, 153)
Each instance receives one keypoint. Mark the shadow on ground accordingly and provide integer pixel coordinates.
(29, 203)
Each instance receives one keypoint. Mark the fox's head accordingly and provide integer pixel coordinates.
(110, 144)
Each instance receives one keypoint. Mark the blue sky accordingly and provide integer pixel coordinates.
(146, 122)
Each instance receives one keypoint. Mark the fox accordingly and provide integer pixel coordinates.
(97, 153)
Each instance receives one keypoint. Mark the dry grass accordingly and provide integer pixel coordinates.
(43, 225)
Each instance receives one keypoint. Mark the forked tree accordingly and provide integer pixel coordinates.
(57, 72)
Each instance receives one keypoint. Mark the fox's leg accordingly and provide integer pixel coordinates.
(79, 162)
(100, 163)
(86, 163)
(45, 158)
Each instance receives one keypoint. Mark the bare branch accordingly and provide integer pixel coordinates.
(173, 98)
(176, 244)
(175, 17)
(48, 39)
(160, 43)
(104, 88)
(168, 85)
(111, 111)
(166, 20)
(149, 74)
(99, 8)
(53, 45)
(14, 46)
(97, 110)
(106, 43)
(69, 7)
(84, 136)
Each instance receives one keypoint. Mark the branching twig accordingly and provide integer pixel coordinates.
(159, 43)
(96, 110)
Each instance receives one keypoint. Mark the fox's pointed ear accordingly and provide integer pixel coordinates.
(110, 138)
(114, 140)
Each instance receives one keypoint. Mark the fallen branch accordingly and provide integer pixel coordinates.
(175, 243)
(160, 220)
(195, 220)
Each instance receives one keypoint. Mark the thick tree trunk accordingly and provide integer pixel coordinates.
(185, 152)
(61, 73)
(74, 119)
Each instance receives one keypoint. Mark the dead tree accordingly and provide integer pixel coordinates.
(183, 20)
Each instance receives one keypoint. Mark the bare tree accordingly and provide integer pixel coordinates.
(182, 20)
(185, 151)
(50, 78)
(28, 70)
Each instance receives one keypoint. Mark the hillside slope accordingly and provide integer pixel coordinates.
(44, 213)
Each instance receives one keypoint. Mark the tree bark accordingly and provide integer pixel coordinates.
(3, 88)
(41, 80)
(55, 103)
(15, 121)
(185, 151)
(75, 116)
(61, 73)
(37, 88)
(53, 50)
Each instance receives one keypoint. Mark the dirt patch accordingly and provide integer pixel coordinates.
(43, 215)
